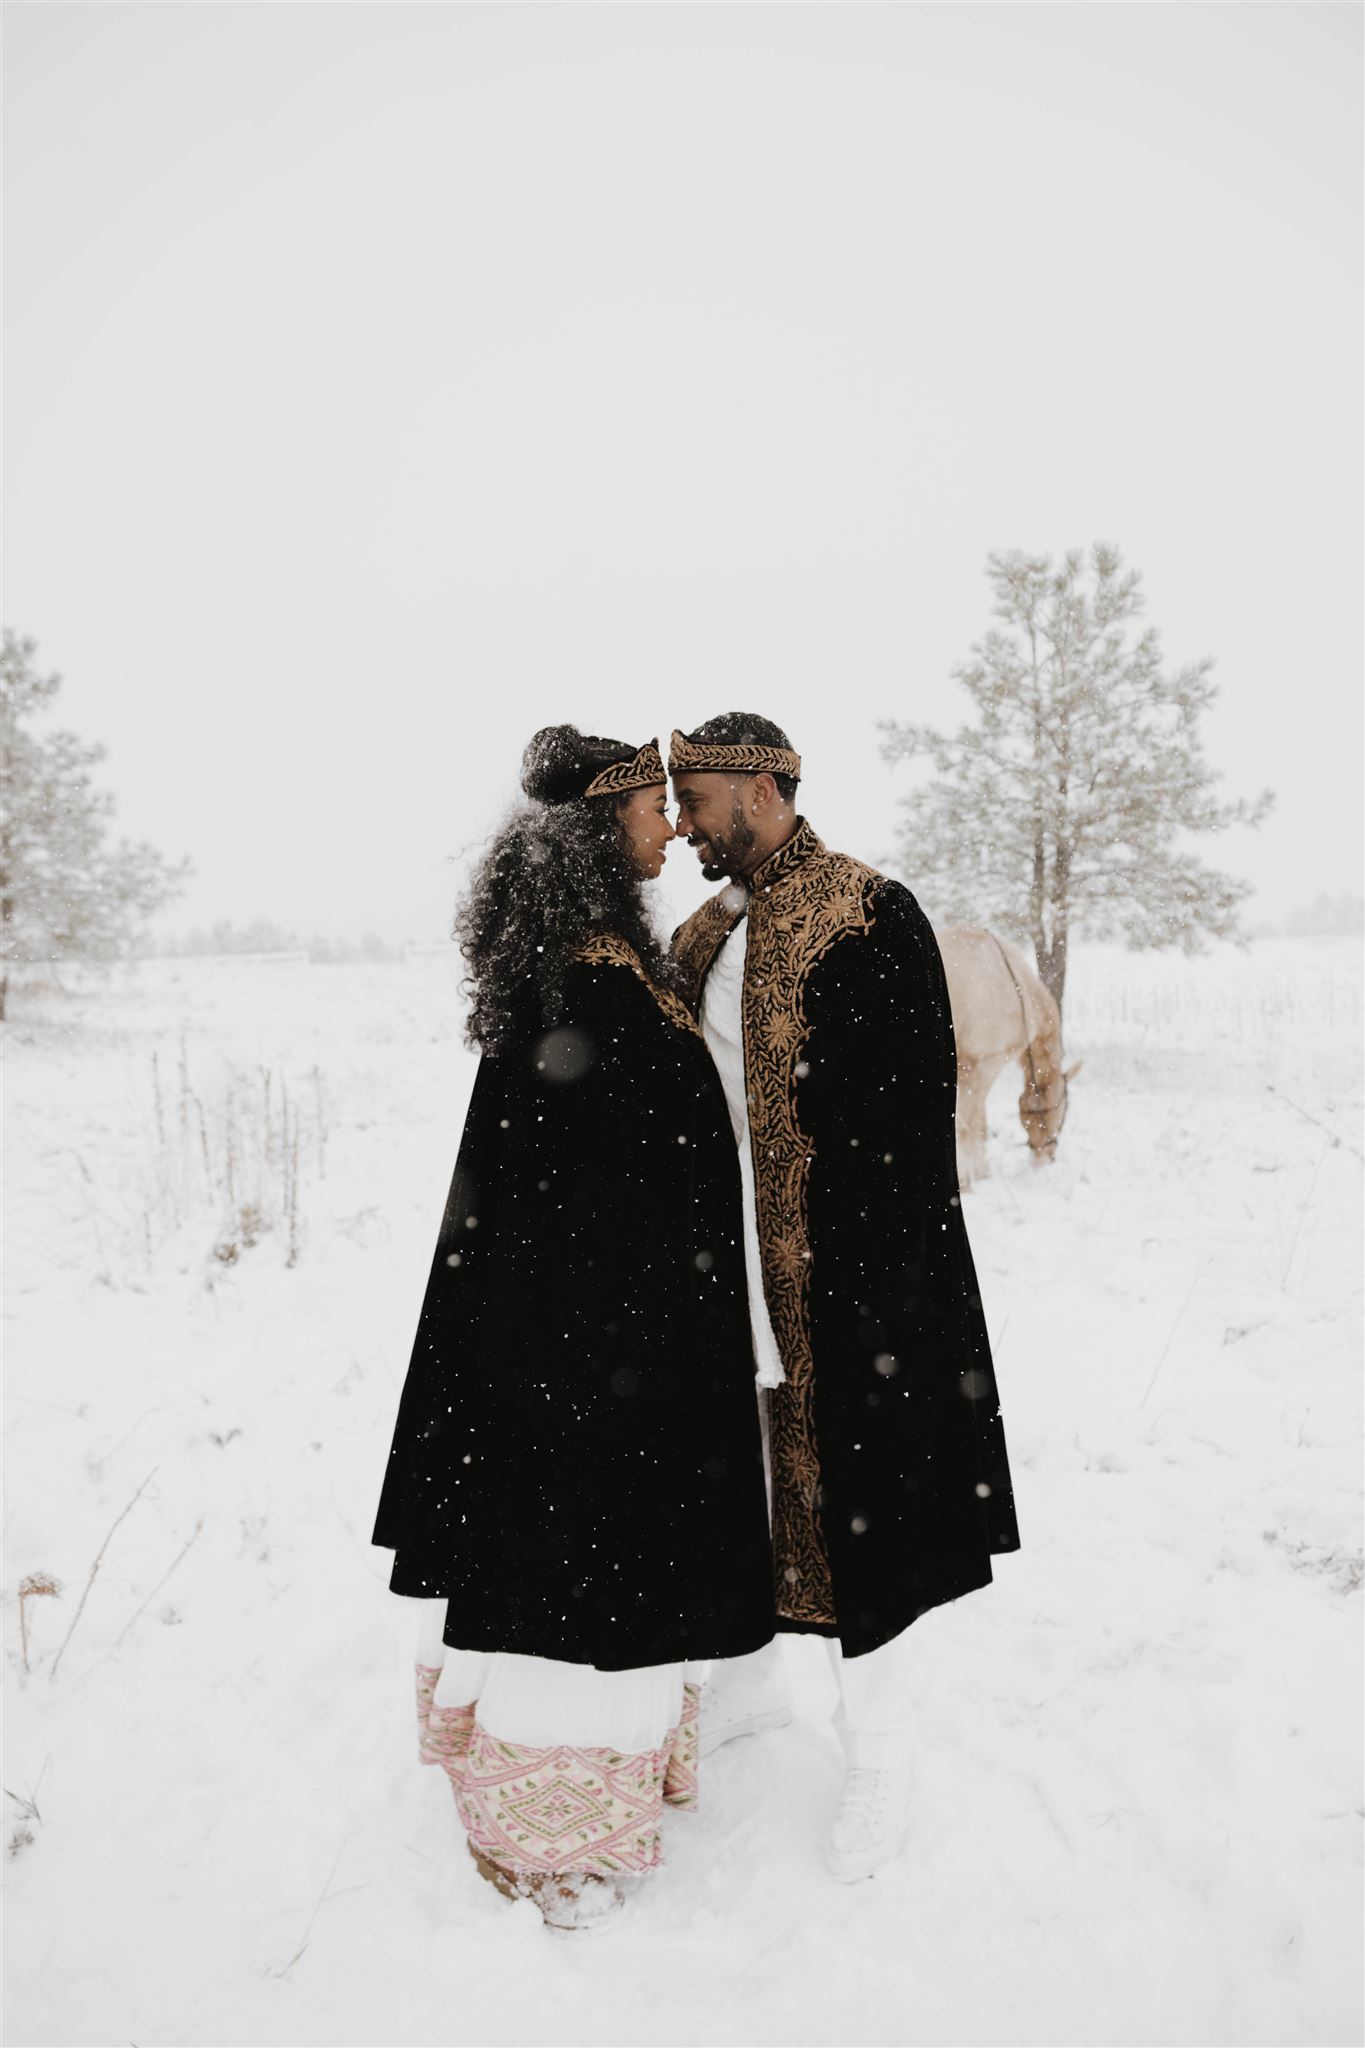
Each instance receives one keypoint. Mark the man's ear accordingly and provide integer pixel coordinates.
(765, 792)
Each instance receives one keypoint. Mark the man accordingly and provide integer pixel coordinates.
(819, 987)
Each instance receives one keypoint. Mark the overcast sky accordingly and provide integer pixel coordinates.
(384, 382)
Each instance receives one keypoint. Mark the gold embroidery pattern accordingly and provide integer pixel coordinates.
(697, 941)
(803, 899)
(711, 759)
(642, 772)
(605, 949)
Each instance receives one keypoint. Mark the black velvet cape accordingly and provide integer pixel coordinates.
(891, 1484)
(577, 1464)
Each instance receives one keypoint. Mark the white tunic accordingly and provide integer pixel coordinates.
(723, 1026)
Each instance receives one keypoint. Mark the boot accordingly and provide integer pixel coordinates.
(570, 1902)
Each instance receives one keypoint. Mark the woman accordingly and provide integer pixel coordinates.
(576, 1483)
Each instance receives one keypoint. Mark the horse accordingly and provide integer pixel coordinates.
(1002, 1012)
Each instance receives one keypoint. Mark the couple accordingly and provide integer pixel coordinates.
(683, 1173)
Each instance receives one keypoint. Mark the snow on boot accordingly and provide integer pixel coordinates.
(572, 1902)
(871, 1824)
(578, 1903)
(726, 1711)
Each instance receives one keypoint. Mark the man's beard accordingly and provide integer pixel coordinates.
(730, 849)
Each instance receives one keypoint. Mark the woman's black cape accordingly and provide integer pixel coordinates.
(576, 1466)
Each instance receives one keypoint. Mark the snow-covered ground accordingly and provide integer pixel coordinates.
(1138, 1802)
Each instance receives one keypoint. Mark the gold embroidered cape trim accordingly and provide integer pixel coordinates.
(643, 770)
(605, 949)
(710, 758)
(803, 899)
(697, 941)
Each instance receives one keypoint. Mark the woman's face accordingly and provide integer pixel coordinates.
(644, 822)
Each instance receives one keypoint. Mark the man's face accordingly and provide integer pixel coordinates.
(711, 816)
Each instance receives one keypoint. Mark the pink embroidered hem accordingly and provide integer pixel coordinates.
(442, 1732)
(550, 1811)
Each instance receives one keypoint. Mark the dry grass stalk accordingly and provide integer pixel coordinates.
(247, 1153)
(291, 1188)
(230, 1154)
(322, 1900)
(1175, 1326)
(204, 1144)
(1335, 1141)
(176, 1561)
(1304, 1206)
(180, 1555)
(36, 1583)
(21, 1834)
(156, 1098)
(321, 1121)
(99, 1559)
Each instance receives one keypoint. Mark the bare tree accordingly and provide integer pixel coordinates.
(63, 889)
(1069, 804)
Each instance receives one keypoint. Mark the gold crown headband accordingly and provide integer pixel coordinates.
(643, 770)
(710, 758)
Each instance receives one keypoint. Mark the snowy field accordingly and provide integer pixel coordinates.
(1138, 1801)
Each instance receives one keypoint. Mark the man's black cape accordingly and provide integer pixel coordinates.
(577, 1466)
(891, 1485)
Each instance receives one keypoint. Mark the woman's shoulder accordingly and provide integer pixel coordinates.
(606, 957)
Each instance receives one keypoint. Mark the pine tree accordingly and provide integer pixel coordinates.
(64, 890)
(1068, 804)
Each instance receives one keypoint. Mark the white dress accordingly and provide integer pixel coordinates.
(543, 1702)
(556, 1768)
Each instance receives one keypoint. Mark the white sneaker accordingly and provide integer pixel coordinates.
(727, 1712)
(872, 1823)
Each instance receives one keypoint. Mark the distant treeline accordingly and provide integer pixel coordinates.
(1326, 917)
(262, 936)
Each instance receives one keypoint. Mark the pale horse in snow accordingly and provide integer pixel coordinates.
(1002, 1012)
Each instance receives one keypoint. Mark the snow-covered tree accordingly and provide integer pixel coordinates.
(1069, 803)
(64, 889)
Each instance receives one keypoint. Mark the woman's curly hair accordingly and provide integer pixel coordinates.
(557, 872)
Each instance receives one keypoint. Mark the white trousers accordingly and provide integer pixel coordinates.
(872, 1718)
(547, 1704)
